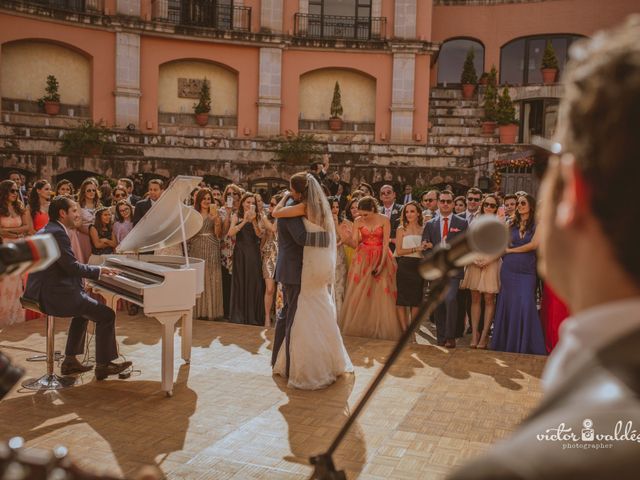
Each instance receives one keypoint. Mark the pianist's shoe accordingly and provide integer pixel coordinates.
(103, 371)
(71, 366)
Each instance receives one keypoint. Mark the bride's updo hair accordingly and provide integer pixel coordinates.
(368, 204)
(300, 183)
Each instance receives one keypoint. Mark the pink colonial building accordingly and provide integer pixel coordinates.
(272, 66)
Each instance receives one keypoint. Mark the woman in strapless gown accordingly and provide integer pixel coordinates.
(369, 308)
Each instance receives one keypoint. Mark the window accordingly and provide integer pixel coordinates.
(520, 59)
(539, 118)
(452, 56)
(341, 19)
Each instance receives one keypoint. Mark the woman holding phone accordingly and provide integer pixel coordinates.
(206, 245)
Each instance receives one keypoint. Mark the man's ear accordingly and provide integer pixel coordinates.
(574, 198)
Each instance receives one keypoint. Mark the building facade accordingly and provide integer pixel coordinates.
(272, 66)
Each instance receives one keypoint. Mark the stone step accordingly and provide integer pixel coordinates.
(457, 112)
(453, 103)
(449, 150)
(457, 130)
(444, 161)
(440, 92)
(455, 121)
(456, 140)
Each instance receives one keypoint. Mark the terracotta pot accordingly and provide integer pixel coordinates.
(508, 133)
(549, 75)
(202, 119)
(335, 124)
(489, 128)
(51, 108)
(468, 90)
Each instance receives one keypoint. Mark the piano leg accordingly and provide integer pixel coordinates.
(187, 328)
(168, 321)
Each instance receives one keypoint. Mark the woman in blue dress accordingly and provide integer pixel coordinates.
(517, 326)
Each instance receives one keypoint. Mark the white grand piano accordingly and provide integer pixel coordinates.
(165, 286)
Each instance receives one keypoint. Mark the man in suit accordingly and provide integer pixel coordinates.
(292, 238)
(59, 291)
(155, 187)
(429, 203)
(408, 194)
(127, 184)
(445, 228)
(391, 210)
(589, 255)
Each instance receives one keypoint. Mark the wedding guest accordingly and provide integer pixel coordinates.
(64, 187)
(118, 194)
(103, 241)
(366, 189)
(18, 179)
(14, 224)
(474, 197)
(123, 220)
(89, 202)
(341, 259)
(369, 308)
(231, 199)
(510, 202)
(517, 324)
(408, 253)
(127, 184)
(155, 188)
(553, 313)
(429, 204)
(408, 194)
(247, 284)
(346, 229)
(269, 252)
(482, 278)
(459, 205)
(106, 193)
(390, 209)
(39, 205)
(206, 245)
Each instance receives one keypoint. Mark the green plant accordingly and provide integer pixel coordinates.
(490, 104)
(204, 101)
(86, 139)
(301, 149)
(506, 113)
(52, 90)
(469, 75)
(336, 102)
(549, 59)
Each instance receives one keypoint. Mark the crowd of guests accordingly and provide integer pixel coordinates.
(380, 243)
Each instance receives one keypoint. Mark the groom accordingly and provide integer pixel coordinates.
(292, 238)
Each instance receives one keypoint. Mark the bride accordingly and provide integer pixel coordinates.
(317, 353)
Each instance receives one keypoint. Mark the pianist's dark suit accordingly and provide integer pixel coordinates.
(59, 291)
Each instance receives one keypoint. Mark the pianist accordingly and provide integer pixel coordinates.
(59, 291)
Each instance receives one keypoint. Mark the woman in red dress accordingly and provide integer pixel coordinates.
(553, 312)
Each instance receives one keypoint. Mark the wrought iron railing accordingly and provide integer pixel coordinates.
(71, 6)
(203, 13)
(335, 26)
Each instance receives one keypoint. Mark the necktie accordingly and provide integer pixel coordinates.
(445, 228)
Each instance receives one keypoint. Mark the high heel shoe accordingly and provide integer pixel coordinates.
(485, 345)
(474, 341)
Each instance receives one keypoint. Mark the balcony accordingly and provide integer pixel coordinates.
(207, 14)
(339, 27)
(56, 8)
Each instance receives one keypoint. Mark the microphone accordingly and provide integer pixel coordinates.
(28, 255)
(487, 236)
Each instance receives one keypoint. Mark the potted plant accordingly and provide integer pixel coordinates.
(484, 79)
(89, 139)
(203, 107)
(51, 101)
(549, 67)
(490, 105)
(296, 149)
(469, 78)
(507, 123)
(335, 122)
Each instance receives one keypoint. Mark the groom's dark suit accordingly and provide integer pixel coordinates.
(292, 238)
(58, 289)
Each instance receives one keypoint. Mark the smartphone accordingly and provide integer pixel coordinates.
(252, 207)
(229, 201)
(213, 208)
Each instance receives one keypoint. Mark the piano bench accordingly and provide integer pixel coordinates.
(49, 381)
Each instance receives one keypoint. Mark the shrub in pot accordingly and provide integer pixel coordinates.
(88, 139)
(51, 101)
(203, 107)
(549, 67)
(469, 77)
(506, 116)
(335, 121)
(490, 104)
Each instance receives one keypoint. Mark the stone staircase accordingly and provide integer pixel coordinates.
(455, 132)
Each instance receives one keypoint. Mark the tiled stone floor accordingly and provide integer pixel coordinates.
(229, 418)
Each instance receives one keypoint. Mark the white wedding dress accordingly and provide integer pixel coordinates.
(317, 353)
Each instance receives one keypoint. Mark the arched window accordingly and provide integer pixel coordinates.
(528, 51)
(452, 56)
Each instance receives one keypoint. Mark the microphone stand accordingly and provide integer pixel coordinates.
(324, 467)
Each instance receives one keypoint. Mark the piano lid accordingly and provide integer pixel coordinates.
(161, 227)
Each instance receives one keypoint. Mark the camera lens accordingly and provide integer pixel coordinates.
(9, 375)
